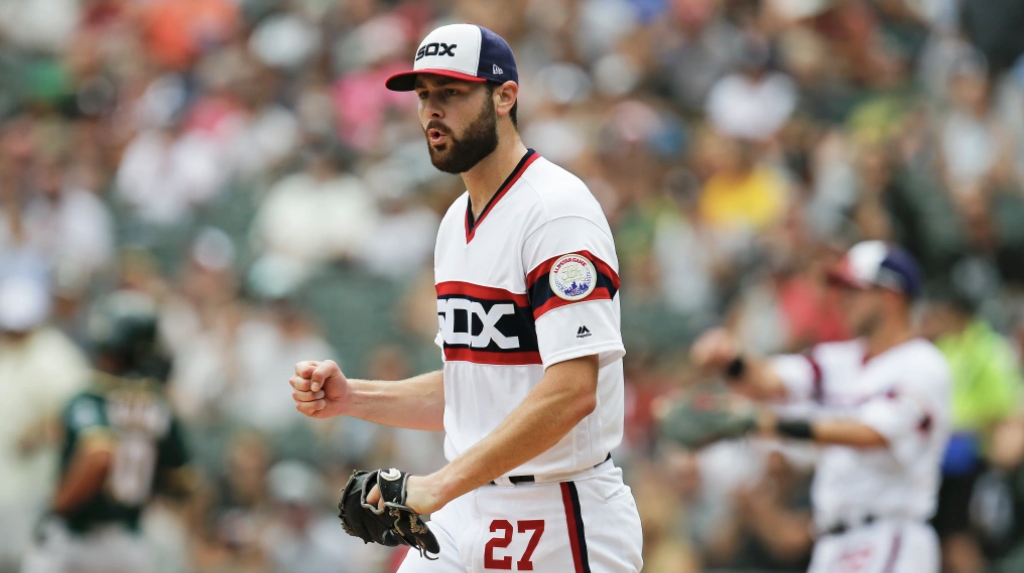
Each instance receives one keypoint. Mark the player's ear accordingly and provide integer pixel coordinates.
(505, 97)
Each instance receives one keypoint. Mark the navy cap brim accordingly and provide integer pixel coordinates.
(406, 81)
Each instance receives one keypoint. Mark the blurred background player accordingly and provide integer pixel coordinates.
(879, 406)
(121, 446)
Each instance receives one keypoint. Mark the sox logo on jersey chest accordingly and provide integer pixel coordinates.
(486, 325)
(488, 318)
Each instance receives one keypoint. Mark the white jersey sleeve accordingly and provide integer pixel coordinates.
(810, 377)
(800, 375)
(572, 282)
(906, 414)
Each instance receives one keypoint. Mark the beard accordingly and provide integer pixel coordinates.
(460, 154)
(867, 324)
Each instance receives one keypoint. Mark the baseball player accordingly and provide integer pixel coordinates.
(531, 393)
(877, 405)
(121, 443)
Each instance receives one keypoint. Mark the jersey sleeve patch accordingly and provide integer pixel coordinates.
(570, 278)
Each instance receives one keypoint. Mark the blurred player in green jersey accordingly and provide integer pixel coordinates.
(121, 445)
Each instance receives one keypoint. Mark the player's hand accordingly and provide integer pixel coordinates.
(714, 350)
(420, 495)
(319, 389)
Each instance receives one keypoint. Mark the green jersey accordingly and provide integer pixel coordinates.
(986, 376)
(146, 438)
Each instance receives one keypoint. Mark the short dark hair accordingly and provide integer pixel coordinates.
(491, 86)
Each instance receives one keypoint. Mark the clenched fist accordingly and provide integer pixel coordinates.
(714, 350)
(319, 388)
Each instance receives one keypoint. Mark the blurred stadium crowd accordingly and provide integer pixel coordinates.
(240, 161)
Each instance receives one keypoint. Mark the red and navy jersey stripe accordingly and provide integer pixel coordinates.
(486, 325)
(471, 225)
(574, 523)
(543, 298)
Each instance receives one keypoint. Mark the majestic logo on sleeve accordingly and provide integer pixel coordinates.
(572, 277)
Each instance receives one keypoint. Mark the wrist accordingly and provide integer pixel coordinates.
(440, 485)
(348, 405)
(736, 368)
(796, 429)
(766, 423)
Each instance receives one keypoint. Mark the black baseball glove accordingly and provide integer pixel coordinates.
(396, 524)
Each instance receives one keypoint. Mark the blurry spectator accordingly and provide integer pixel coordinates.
(993, 26)
(986, 393)
(236, 366)
(700, 54)
(812, 310)
(40, 369)
(177, 31)
(237, 509)
(365, 58)
(67, 224)
(317, 215)
(742, 196)
(41, 25)
(771, 525)
(267, 344)
(717, 473)
(664, 513)
(270, 132)
(758, 315)
(754, 102)
(285, 40)
(686, 251)
(302, 536)
(166, 172)
(976, 152)
(403, 239)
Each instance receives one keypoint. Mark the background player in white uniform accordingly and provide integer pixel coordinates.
(531, 394)
(879, 406)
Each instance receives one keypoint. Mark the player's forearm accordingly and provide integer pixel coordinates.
(416, 403)
(848, 433)
(565, 396)
(84, 479)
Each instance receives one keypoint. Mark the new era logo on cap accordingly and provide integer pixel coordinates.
(463, 51)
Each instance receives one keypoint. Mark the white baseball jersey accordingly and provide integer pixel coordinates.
(904, 394)
(530, 283)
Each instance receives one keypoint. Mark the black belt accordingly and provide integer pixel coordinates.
(530, 479)
(844, 526)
